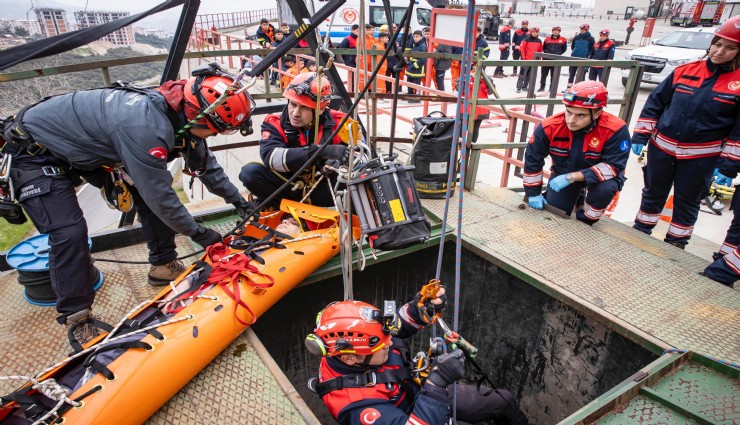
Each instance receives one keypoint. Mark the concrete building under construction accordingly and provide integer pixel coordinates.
(52, 21)
(91, 18)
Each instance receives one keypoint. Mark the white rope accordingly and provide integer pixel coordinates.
(51, 389)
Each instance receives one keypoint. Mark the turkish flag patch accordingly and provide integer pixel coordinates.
(265, 135)
(369, 416)
(158, 152)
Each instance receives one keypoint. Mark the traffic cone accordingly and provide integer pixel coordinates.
(667, 212)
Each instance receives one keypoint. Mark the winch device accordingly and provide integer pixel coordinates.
(386, 201)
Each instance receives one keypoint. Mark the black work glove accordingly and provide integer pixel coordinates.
(447, 369)
(206, 237)
(246, 209)
(335, 152)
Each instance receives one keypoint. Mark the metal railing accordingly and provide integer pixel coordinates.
(518, 122)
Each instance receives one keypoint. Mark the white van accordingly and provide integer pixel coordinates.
(349, 14)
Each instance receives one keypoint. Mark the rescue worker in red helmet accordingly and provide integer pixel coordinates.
(289, 140)
(588, 147)
(124, 135)
(365, 371)
(603, 49)
(687, 122)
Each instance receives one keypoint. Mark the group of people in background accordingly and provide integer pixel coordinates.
(524, 42)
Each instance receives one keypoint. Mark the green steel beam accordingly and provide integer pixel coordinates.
(626, 389)
(667, 402)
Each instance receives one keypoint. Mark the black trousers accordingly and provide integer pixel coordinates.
(262, 182)
(572, 73)
(413, 80)
(523, 81)
(51, 204)
(504, 56)
(389, 72)
(517, 54)
(160, 239)
(439, 77)
(594, 74)
(546, 70)
(475, 406)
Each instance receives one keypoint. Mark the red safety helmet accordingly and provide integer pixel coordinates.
(556, 29)
(233, 114)
(585, 26)
(348, 327)
(304, 90)
(534, 29)
(604, 32)
(730, 30)
(525, 22)
(586, 94)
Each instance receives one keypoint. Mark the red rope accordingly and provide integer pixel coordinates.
(230, 271)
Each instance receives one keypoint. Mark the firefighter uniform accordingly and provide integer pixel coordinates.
(516, 41)
(81, 133)
(504, 47)
(600, 153)
(396, 399)
(726, 266)
(416, 68)
(603, 50)
(685, 122)
(555, 46)
(284, 149)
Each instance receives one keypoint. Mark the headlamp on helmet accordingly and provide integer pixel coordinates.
(352, 327)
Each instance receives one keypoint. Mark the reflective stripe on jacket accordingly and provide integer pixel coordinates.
(693, 112)
(601, 154)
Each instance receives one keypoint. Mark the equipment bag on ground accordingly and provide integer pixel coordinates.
(430, 155)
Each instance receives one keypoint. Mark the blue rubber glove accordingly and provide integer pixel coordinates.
(722, 179)
(537, 202)
(637, 148)
(559, 183)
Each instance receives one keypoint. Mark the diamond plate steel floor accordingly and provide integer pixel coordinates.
(617, 272)
(242, 385)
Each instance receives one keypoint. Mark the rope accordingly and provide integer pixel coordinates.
(51, 389)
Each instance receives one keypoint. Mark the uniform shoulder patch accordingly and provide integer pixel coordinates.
(369, 416)
(158, 152)
(265, 134)
(625, 145)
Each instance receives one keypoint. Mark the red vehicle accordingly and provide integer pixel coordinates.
(704, 13)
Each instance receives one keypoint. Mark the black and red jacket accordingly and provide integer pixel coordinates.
(518, 37)
(600, 154)
(388, 403)
(693, 113)
(603, 50)
(555, 46)
(284, 148)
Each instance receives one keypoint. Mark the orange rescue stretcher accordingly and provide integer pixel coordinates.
(193, 320)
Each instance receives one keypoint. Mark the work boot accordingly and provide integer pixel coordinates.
(166, 273)
(542, 88)
(82, 326)
(513, 74)
(677, 244)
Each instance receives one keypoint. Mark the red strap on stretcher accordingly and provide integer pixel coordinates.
(228, 270)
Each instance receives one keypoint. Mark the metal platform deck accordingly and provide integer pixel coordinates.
(242, 385)
(642, 287)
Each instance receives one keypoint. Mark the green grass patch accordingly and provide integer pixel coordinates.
(11, 234)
